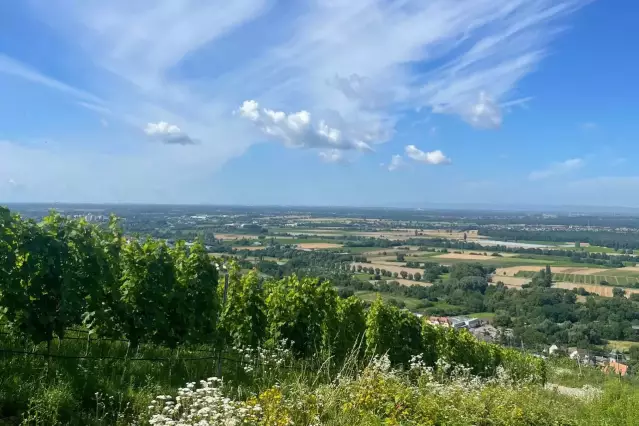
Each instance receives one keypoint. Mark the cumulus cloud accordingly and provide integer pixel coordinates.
(297, 129)
(557, 169)
(168, 133)
(396, 162)
(434, 157)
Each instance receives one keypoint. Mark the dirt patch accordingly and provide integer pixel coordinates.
(471, 256)
(630, 268)
(317, 246)
(511, 281)
(512, 270)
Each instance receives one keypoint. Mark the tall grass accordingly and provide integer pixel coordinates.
(35, 390)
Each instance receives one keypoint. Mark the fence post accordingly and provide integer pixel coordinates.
(226, 289)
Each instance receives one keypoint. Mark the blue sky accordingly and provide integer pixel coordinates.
(343, 102)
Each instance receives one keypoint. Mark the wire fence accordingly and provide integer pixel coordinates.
(213, 355)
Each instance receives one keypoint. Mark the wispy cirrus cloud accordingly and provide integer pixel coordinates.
(356, 66)
(557, 169)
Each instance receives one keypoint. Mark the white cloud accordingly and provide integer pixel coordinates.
(168, 133)
(297, 129)
(334, 156)
(355, 67)
(396, 162)
(557, 169)
(14, 68)
(434, 157)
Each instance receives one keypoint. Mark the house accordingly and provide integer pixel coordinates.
(465, 322)
(615, 367)
(441, 321)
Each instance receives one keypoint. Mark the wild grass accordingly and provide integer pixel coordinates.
(270, 388)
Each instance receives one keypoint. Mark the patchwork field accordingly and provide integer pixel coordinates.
(233, 237)
(473, 256)
(318, 246)
(611, 276)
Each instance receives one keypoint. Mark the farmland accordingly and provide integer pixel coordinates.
(612, 277)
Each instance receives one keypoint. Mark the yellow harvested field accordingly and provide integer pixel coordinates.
(601, 290)
(512, 270)
(470, 256)
(511, 281)
(314, 246)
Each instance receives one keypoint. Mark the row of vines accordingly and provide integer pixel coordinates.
(65, 273)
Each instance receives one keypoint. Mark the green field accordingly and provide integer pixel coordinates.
(621, 345)
(359, 250)
(370, 296)
(482, 315)
(614, 278)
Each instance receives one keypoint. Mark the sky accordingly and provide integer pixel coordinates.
(320, 102)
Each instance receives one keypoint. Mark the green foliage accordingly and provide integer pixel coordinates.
(51, 277)
(195, 302)
(348, 327)
(393, 331)
(299, 309)
(243, 320)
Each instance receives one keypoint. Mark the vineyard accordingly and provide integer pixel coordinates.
(93, 318)
(615, 278)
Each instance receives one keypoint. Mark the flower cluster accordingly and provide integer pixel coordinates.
(265, 358)
(202, 406)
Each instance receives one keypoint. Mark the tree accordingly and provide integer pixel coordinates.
(410, 276)
(618, 292)
(395, 274)
(400, 257)
(376, 271)
(359, 268)
(404, 274)
(548, 277)
(417, 276)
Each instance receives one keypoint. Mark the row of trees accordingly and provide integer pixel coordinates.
(63, 273)
(380, 273)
